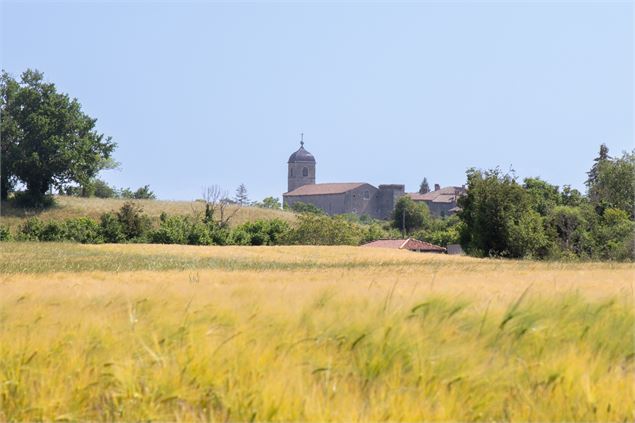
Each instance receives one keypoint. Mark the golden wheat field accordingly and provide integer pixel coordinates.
(181, 333)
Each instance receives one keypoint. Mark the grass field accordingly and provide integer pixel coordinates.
(152, 332)
(67, 207)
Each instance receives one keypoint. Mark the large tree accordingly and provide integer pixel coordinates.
(410, 216)
(613, 185)
(47, 140)
(498, 217)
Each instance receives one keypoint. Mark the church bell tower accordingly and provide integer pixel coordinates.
(301, 168)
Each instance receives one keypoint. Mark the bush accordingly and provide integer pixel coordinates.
(31, 229)
(134, 223)
(53, 231)
(324, 230)
(111, 229)
(172, 230)
(103, 190)
(84, 230)
(262, 232)
(5, 233)
(305, 208)
(199, 234)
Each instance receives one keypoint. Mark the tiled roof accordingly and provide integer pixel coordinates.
(405, 244)
(321, 189)
(444, 195)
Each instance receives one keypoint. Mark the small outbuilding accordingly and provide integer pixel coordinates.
(406, 244)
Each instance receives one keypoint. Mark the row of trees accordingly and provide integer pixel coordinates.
(501, 217)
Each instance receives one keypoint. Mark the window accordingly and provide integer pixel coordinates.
(305, 171)
(290, 173)
(366, 195)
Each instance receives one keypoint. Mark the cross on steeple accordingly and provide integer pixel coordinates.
(301, 139)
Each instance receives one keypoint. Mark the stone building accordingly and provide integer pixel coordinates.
(359, 198)
(337, 198)
(441, 201)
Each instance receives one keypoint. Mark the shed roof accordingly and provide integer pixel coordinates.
(405, 244)
(322, 189)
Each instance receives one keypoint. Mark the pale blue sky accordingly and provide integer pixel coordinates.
(203, 93)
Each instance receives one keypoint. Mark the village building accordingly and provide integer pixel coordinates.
(358, 198)
(442, 201)
(409, 244)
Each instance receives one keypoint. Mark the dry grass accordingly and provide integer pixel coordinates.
(325, 334)
(67, 207)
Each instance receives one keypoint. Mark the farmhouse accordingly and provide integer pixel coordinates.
(359, 198)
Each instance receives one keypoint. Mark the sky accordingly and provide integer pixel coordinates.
(217, 93)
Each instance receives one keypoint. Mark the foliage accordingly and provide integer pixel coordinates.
(83, 230)
(613, 185)
(5, 233)
(241, 197)
(409, 216)
(300, 207)
(313, 229)
(498, 217)
(134, 224)
(171, 230)
(111, 228)
(271, 203)
(262, 232)
(47, 140)
(543, 196)
(424, 188)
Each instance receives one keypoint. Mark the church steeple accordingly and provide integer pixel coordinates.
(301, 166)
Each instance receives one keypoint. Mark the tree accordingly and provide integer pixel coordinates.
(47, 140)
(571, 197)
(409, 216)
(614, 184)
(497, 217)
(271, 203)
(544, 196)
(592, 174)
(216, 207)
(241, 197)
(424, 188)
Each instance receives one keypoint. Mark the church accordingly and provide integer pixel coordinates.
(359, 198)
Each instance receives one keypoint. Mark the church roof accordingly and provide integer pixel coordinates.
(301, 156)
(322, 189)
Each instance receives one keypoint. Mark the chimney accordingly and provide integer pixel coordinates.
(437, 187)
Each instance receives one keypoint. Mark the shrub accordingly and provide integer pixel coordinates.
(53, 231)
(31, 229)
(172, 230)
(305, 208)
(264, 232)
(111, 229)
(324, 230)
(84, 230)
(5, 233)
(199, 234)
(239, 236)
(134, 223)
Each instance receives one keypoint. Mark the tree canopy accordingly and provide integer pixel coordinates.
(46, 139)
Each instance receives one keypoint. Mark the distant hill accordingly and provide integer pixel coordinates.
(66, 207)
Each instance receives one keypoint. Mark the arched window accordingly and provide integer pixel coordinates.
(290, 172)
(305, 171)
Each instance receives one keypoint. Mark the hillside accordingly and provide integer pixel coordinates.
(67, 207)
